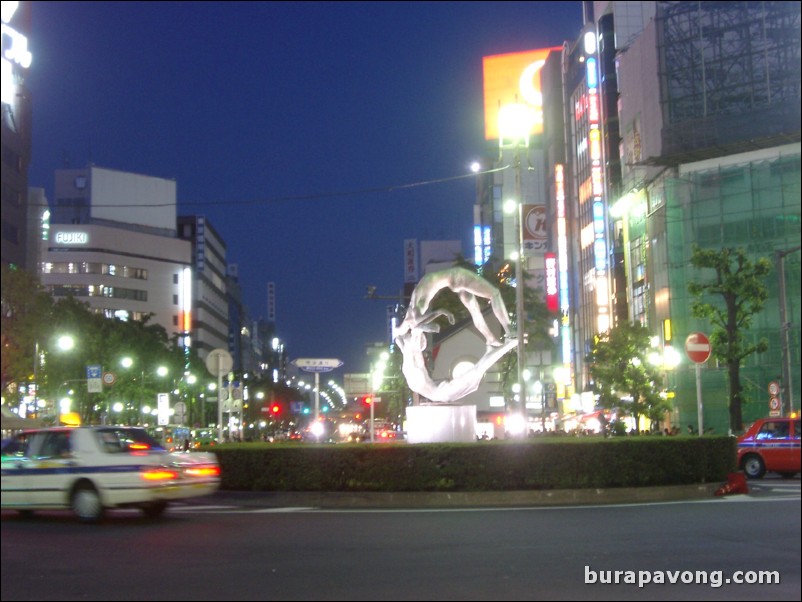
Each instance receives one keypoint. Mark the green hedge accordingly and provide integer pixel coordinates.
(539, 464)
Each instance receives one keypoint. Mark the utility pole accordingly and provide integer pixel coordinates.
(785, 326)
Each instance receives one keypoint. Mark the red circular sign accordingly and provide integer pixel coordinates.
(697, 347)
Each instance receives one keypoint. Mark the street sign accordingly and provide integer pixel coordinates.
(317, 365)
(356, 385)
(697, 347)
(774, 403)
(163, 409)
(774, 388)
(94, 384)
(219, 362)
(109, 378)
(179, 412)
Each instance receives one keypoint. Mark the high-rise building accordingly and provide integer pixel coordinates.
(684, 127)
(665, 124)
(16, 133)
(210, 324)
(111, 242)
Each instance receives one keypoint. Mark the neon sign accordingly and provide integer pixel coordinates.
(72, 238)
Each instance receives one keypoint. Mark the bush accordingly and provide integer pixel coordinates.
(544, 463)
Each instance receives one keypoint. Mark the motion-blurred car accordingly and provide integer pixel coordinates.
(770, 445)
(92, 469)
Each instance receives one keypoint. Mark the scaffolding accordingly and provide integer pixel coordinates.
(730, 74)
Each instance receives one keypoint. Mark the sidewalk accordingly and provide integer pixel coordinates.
(463, 499)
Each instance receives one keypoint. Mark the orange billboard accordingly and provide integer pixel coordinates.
(513, 78)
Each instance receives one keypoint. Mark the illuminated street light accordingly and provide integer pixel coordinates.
(377, 376)
(515, 123)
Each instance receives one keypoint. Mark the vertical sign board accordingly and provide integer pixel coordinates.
(163, 409)
(410, 260)
(775, 405)
(94, 376)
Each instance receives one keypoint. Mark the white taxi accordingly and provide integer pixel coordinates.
(93, 468)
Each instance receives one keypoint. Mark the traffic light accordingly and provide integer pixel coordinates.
(275, 409)
(367, 400)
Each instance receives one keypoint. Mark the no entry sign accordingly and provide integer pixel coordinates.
(697, 347)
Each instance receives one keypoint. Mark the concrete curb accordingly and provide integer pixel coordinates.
(467, 499)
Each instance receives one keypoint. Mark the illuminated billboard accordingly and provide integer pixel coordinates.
(513, 79)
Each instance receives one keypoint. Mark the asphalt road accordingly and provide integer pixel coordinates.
(224, 549)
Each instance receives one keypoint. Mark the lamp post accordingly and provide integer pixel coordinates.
(538, 389)
(515, 126)
(377, 377)
(785, 326)
(65, 343)
(127, 363)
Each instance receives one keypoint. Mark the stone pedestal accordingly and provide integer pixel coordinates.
(441, 423)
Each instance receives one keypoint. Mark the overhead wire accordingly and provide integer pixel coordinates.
(308, 197)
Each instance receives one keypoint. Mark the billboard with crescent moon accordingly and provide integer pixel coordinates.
(513, 78)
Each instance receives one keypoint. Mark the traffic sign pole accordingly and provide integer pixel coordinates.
(317, 365)
(697, 348)
(699, 413)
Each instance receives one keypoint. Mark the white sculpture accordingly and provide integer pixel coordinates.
(411, 334)
(467, 285)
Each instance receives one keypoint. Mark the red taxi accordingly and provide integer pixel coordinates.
(770, 445)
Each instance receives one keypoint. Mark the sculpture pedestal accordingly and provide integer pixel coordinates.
(441, 424)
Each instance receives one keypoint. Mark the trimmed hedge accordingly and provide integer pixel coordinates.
(539, 464)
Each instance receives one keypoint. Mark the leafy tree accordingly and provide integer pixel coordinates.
(25, 321)
(619, 367)
(739, 282)
(394, 390)
(32, 318)
(537, 321)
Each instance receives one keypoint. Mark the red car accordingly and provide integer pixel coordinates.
(770, 445)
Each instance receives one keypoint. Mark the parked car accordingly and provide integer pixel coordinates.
(91, 469)
(770, 445)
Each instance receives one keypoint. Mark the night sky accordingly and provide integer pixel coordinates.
(315, 136)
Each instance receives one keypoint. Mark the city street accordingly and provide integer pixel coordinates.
(218, 549)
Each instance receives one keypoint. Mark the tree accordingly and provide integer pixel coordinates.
(740, 284)
(25, 319)
(619, 367)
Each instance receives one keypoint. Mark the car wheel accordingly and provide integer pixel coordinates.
(154, 510)
(753, 466)
(86, 503)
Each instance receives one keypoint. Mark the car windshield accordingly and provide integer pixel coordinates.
(119, 439)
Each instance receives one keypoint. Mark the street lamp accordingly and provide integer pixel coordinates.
(538, 388)
(64, 343)
(515, 208)
(515, 125)
(127, 363)
(376, 381)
